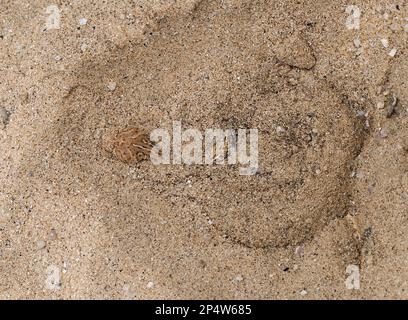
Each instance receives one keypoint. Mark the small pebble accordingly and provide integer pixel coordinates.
(279, 129)
(384, 133)
(367, 123)
(40, 244)
(380, 105)
(303, 292)
(83, 21)
(293, 81)
(84, 46)
(57, 58)
(150, 285)
(299, 251)
(112, 86)
(392, 53)
(359, 175)
(238, 278)
(384, 42)
(53, 234)
(357, 43)
(126, 287)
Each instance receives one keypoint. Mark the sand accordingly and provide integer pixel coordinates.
(325, 215)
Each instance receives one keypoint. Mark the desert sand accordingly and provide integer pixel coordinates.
(325, 82)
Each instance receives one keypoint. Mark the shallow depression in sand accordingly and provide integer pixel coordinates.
(208, 71)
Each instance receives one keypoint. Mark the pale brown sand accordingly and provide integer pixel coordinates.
(332, 189)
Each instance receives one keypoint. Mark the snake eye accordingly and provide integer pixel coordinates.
(140, 156)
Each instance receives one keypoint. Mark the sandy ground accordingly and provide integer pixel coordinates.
(325, 216)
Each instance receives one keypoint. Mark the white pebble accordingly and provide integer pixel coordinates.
(40, 244)
(393, 52)
(384, 42)
(150, 285)
(367, 123)
(279, 129)
(238, 278)
(83, 21)
(359, 175)
(357, 42)
(126, 287)
(303, 292)
(299, 251)
(53, 234)
(83, 47)
(112, 86)
(384, 133)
